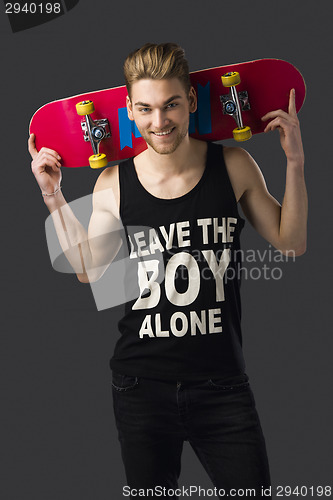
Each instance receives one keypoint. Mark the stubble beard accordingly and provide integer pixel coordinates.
(166, 149)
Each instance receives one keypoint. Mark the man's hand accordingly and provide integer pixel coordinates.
(45, 166)
(289, 129)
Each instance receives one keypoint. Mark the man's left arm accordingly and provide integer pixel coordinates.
(285, 227)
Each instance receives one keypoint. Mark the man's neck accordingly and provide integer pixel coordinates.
(185, 157)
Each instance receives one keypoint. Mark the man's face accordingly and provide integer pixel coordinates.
(161, 111)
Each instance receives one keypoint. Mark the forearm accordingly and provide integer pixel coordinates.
(294, 210)
(71, 234)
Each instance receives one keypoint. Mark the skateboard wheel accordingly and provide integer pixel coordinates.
(98, 161)
(85, 108)
(230, 79)
(242, 134)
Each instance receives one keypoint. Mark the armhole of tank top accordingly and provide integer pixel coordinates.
(122, 184)
(219, 156)
(121, 189)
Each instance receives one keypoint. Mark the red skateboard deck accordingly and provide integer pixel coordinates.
(267, 83)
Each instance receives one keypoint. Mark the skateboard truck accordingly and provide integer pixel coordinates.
(93, 131)
(232, 107)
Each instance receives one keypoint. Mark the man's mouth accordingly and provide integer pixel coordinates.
(166, 132)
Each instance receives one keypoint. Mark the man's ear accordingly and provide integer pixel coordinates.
(129, 108)
(192, 97)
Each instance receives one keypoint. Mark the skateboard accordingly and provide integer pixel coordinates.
(231, 101)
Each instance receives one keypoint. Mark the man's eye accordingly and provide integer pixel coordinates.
(144, 110)
(171, 105)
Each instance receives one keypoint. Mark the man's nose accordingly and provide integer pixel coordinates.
(160, 119)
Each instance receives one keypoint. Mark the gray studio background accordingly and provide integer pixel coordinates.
(59, 439)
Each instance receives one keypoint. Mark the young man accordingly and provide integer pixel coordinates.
(178, 368)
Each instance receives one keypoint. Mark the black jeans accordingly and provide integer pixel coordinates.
(217, 417)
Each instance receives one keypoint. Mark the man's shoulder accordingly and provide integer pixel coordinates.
(238, 160)
(106, 192)
(108, 178)
(234, 154)
(242, 169)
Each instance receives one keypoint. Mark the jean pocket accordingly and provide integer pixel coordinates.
(123, 383)
(230, 384)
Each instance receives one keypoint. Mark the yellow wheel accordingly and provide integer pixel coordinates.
(85, 108)
(230, 79)
(98, 161)
(242, 134)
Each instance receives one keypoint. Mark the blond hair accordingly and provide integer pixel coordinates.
(157, 61)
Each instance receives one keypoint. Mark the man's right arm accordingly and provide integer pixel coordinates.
(89, 253)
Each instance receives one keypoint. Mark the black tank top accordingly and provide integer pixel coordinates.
(186, 326)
